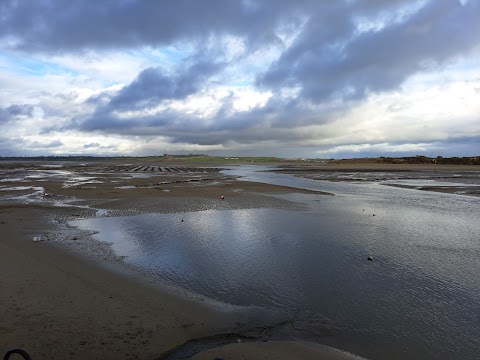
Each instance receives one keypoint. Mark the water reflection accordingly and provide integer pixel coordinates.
(419, 298)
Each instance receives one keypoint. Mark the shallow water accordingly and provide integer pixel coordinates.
(427, 182)
(418, 298)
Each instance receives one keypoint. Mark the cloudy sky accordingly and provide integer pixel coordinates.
(303, 78)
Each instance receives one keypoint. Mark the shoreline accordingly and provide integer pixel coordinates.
(59, 303)
(461, 179)
(62, 305)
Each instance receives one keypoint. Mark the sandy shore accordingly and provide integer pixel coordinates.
(276, 350)
(58, 304)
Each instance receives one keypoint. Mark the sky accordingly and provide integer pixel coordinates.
(294, 79)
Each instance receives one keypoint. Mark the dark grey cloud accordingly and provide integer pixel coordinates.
(19, 146)
(331, 63)
(63, 25)
(46, 145)
(274, 121)
(15, 111)
(96, 145)
(328, 59)
(152, 86)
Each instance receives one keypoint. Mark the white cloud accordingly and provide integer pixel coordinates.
(378, 148)
(307, 75)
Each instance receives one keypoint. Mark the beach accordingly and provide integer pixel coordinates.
(67, 297)
(58, 303)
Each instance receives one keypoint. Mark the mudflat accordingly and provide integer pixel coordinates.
(60, 302)
(454, 179)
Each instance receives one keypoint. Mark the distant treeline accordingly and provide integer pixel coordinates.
(56, 158)
(419, 159)
(187, 158)
(90, 158)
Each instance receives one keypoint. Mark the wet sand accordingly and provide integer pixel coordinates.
(276, 350)
(461, 179)
(59, 304)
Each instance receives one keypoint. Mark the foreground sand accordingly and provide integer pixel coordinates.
(57, 304)
(276, 350)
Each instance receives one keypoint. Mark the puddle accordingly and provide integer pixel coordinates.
(12, 180)
(22, 188)
(73, 183)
